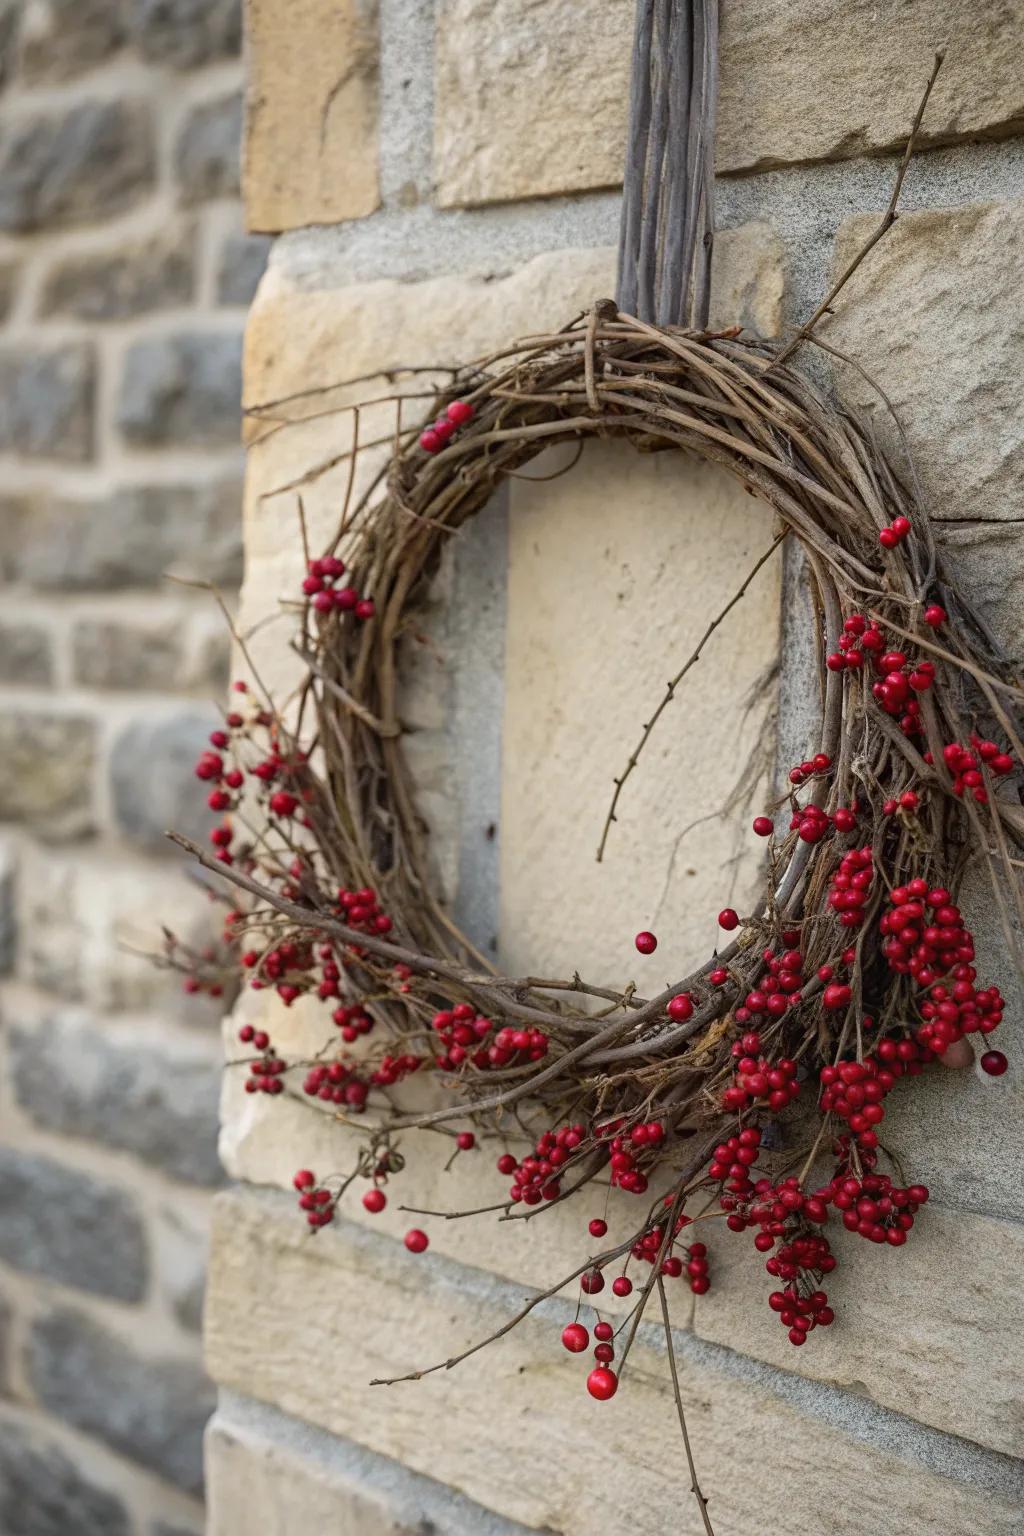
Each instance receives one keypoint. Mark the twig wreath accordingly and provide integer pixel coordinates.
(854, 970)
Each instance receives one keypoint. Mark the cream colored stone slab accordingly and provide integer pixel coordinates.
(934, 315)
(310, 153)
(931, 1330)
(615, 572)
(306, 1323)
(532, 99)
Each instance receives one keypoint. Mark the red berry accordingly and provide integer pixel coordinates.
(728, 919)
(375, 1200)
(575, 1338)
(416, 1241)
(764, 826)
(994, 1063)
(646, 943)
(597, 1227)
(459, 412)
(430, 442)
(934, 615)
(680, 1007)
(602, 1383)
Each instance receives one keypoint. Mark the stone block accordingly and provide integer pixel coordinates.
(180, 1266)
(497, 1413)
(150, 1409)
(208, 149)
(152, 783)
(63, 38)
(182, 391)
(46, 401)
(932, 314)
(26, 654)
(131, 538)
(122, 655)
(47, 782)
(6, 1319)
(311, 113)
(158, 1104)
(44, 1493)
(85, 164)
(242, 264)
(800, 80)
(151, 275)
(65, 1225)
(8, 909)
(186, 33)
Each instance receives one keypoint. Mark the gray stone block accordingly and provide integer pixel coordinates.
(43, 1493)
(242, 263)
(154, 274)
(6, 1317)
(8, 910)
(113, 655)
(74, 167)
(63, 38)
(46, 401)
(182, 390)
(26, 654)
(48, 767)
(85, 1082)
(208, 153)
(130, 539)
(150, 1410)
(186, 33)
(70, 1227)
(167, 796)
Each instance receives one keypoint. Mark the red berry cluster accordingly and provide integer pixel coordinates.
(266, 1070)
(731, 1162)
(316, 1200)
(335, 1082)
(897, 679)
(758, 1078)
(965, 767)
(321, 586)
(876, 1208)
(434, 438)
(820, 763)
(924, 933)
(851, 886)
(624, 1149)
(949, 1013)
(854, 1090)
(536, 1177)
(359, 909)
(799, 1314)
(464, 1033)
(895, 533)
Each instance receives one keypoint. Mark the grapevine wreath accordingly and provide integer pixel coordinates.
(754, 1087)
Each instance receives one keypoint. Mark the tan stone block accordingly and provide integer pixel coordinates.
(747, 279)
(330, 1313)
(532, 100)
(310, 152)
(945, 1347)
(932, 314)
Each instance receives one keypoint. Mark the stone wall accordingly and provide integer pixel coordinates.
(125, 273)
(440, 179)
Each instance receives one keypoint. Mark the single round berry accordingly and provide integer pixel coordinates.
(603, 1332)
(728, 919)
(416, 1241)
(375, 1200)
(465, 1141)
(646, 943)
(622, 1285)
(994, 1063)
(764, 826)
(430, 441)
(459, 412)
(575, 1338)
(597, 1227)
(680, 1007)
(602, 1383)
(935, 615)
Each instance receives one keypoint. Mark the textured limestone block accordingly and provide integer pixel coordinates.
(62, 38)
(148, 804)
(151, 1409)
(72, 168)
(48, 782)
(154, 274)
(206, 157)
(186, 33)
(46, 401)
(181, 390)
(26, 653)
(68, 1226)
(43, 1492)
(315, 1361)
(112, 655)
(242, 263)
(311, 113)
(799, 80)
(159, 1104)
(933, 314)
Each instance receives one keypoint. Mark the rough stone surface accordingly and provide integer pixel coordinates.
(62, 38)
(43, 1493)
(6, 1316)
(155, 274)
(302, 1480)
(937, 302)
(186, 33)
(206, 157)
(152, 1410)
(181, 1266)
(113, 655)
(311, 113)
(46, 401)
(87, 163)
(800, 80)
(312, 1364)
(47, 781)
(182, 390)
(157, 1104)
(8, 909)
(149, 803)
(67, 1226)
(132, 538)
(242, 264)
(26, 654)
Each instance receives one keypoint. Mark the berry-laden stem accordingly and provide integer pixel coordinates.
(695, 1488)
